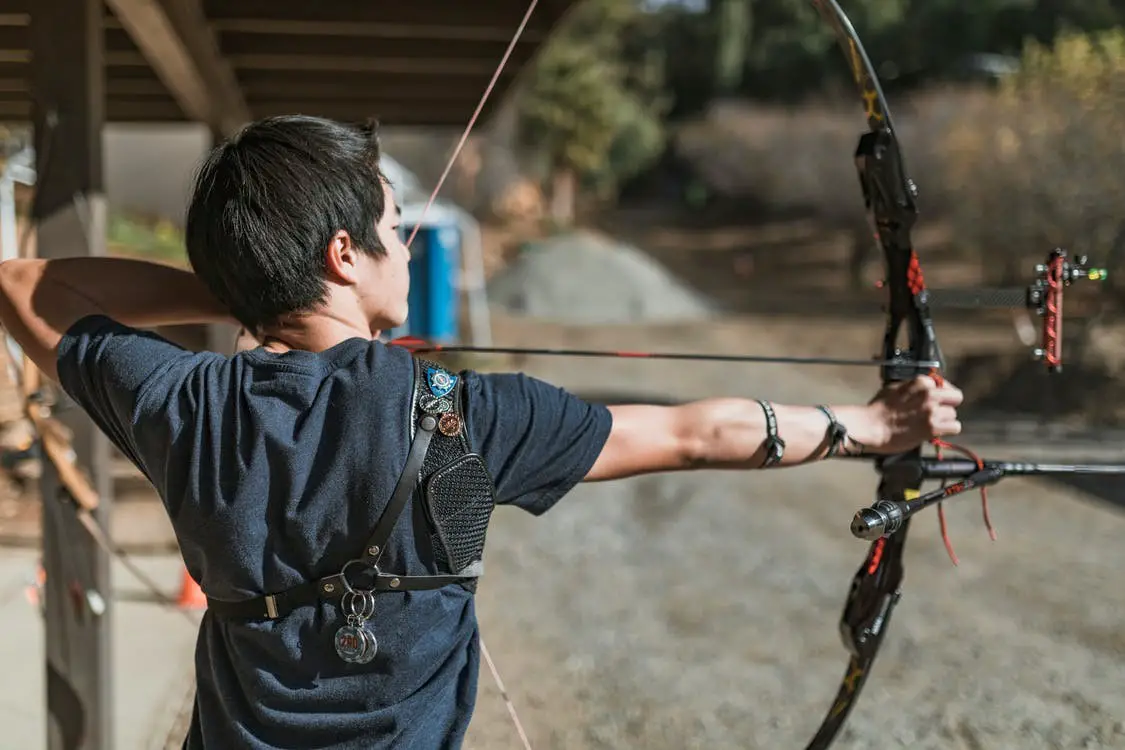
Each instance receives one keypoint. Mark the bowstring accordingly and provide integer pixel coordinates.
(473, 120)
(410, 240)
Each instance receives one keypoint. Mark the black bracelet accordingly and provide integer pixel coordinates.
(837, 434)
(775, 446)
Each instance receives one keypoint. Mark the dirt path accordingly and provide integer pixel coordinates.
(700, 610)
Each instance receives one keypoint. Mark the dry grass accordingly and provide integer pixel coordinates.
(801, 157)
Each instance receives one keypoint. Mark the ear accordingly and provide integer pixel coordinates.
(341, 259)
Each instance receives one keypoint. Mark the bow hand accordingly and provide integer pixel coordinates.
(905, 414)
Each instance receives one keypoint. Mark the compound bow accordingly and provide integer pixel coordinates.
(889, 195)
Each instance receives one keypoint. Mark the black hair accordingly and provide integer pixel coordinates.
(266, 204)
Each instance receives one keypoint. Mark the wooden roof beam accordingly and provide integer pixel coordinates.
(262, 85)
(451, 68)
(389, 113)
(176, 41)
(372, 30)
(494, 14)
(302, 46)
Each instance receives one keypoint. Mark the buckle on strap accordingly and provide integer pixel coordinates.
(271, 606)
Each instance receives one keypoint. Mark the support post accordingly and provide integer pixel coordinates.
(68, 92)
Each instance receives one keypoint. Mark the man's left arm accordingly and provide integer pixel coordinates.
(40, 300)
(734, 433)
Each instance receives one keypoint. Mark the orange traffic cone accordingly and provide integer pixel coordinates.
(191, 596)
(34, 591)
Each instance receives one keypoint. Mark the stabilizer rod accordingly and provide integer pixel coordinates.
(886, 516)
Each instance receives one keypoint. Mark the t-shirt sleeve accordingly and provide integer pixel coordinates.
(538, 440)
(128, 381)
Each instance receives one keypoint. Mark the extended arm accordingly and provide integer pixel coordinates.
(41, 299)
(731, 433)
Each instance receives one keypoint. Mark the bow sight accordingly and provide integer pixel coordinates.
(1045, 296)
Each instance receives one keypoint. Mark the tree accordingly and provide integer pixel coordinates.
(591, 110)
(732, 26)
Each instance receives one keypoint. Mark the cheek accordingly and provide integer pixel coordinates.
(404, 262)
(402, 275)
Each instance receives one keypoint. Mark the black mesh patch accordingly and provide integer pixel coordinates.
(457, 490)
(460, 500)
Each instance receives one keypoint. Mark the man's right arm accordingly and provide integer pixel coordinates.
(731, 433)
(41, 299)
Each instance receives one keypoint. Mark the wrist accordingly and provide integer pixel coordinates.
(866, 425)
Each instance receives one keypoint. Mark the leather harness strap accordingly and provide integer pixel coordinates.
(274, 606)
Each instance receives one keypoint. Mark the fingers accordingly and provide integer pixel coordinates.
(944, 422)
(944, 394)
(939, 405)
(919, 410)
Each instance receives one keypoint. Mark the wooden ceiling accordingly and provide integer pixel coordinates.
(223, 62)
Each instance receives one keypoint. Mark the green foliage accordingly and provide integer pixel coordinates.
(789, 53)
(567, 112)
(1040, 162)
(609, 82)
(595, 100)
(1088, 70)
(157, 239)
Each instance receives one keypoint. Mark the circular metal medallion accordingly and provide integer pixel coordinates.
(351, 644)
(371, 646)
(450, 424)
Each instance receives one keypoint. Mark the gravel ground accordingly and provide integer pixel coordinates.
(699, 610)
(588, 278)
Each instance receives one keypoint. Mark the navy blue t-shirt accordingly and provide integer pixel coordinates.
(274, 470)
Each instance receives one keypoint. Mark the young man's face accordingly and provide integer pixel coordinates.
(391, 278)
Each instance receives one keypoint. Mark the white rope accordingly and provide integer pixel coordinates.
(504, 694)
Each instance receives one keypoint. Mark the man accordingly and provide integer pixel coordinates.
(276, 465)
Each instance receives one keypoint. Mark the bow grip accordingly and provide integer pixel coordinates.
(903, 368)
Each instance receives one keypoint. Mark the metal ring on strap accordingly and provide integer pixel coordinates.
(358, 604)
(348, 588)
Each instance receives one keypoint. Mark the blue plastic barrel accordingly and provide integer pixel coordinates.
(434, 299)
